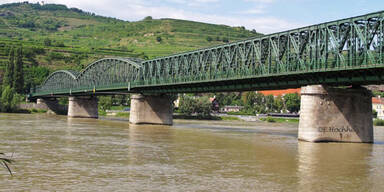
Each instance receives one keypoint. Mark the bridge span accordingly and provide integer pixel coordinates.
(344, 52)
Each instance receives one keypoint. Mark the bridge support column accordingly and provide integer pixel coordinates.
(335, 114)
(83, 107)
(51, 105)
(154, 109)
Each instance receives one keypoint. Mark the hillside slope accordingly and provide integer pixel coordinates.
(58, 37)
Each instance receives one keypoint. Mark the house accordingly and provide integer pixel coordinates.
(378, 105)
(276, 93)
(230, 108)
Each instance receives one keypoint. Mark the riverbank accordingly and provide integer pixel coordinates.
(178, 116)
(213, 117)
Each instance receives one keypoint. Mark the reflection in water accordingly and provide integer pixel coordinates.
(334, 166)
(55, 153)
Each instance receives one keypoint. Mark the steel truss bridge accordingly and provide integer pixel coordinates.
(343, 52)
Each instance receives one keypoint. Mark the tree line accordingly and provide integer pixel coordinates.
(13, 81)
(253, 103)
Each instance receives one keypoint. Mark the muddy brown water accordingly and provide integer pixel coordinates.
(54, 153)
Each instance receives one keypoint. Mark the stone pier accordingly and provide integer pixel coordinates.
(151, 109)
(83, 107)
(335, 114)
(50, 104)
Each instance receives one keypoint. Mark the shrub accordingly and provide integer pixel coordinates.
(229, 118)
(9, 100)
(240, 113)
(105, 103)
(158, 39)
(270, 119)
(374, 113)
(147, 18)
(201, 106)
(121, 114)
(378, 122)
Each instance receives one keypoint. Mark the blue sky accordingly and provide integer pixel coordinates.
(265, 16)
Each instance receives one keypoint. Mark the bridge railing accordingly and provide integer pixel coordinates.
(347, 43)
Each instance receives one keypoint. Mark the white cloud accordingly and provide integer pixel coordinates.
(253, 11)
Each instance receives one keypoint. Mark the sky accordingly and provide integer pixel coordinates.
(265, 16)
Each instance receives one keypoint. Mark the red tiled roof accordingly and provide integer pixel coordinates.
(280, 92)
(376, 100)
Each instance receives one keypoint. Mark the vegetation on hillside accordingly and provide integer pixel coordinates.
(57, 37)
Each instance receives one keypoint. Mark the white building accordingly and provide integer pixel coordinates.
(378, 105)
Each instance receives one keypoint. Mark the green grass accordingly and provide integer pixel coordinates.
(38, 110)
(121, 114)
(33, 111)
(120, 107)
(230, 118)
(279, 120)
(194, 117)
(102, 113)
(217, 118)
(240, 113)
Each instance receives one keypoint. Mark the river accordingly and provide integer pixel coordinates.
(54, 153)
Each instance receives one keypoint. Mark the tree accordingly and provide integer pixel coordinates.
(200, 106)
(292, 102)
(209, 39)
(259, 105)
(270, 101)
(148, 18)
(119, 100)
(203, 106)
(9, 99)
(105, 102)
(34, 75)
(374, 113)
(18, 78)
(186, 105)
(250, 99)
(231, 98)
(8, 75)
(279, 104)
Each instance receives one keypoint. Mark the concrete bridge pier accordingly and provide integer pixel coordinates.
(51, 105)
(151, 109)
(335, 114)
(83, 107)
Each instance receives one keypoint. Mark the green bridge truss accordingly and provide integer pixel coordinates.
(343, 52)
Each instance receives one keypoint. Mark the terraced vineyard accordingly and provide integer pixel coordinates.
(58, 37)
